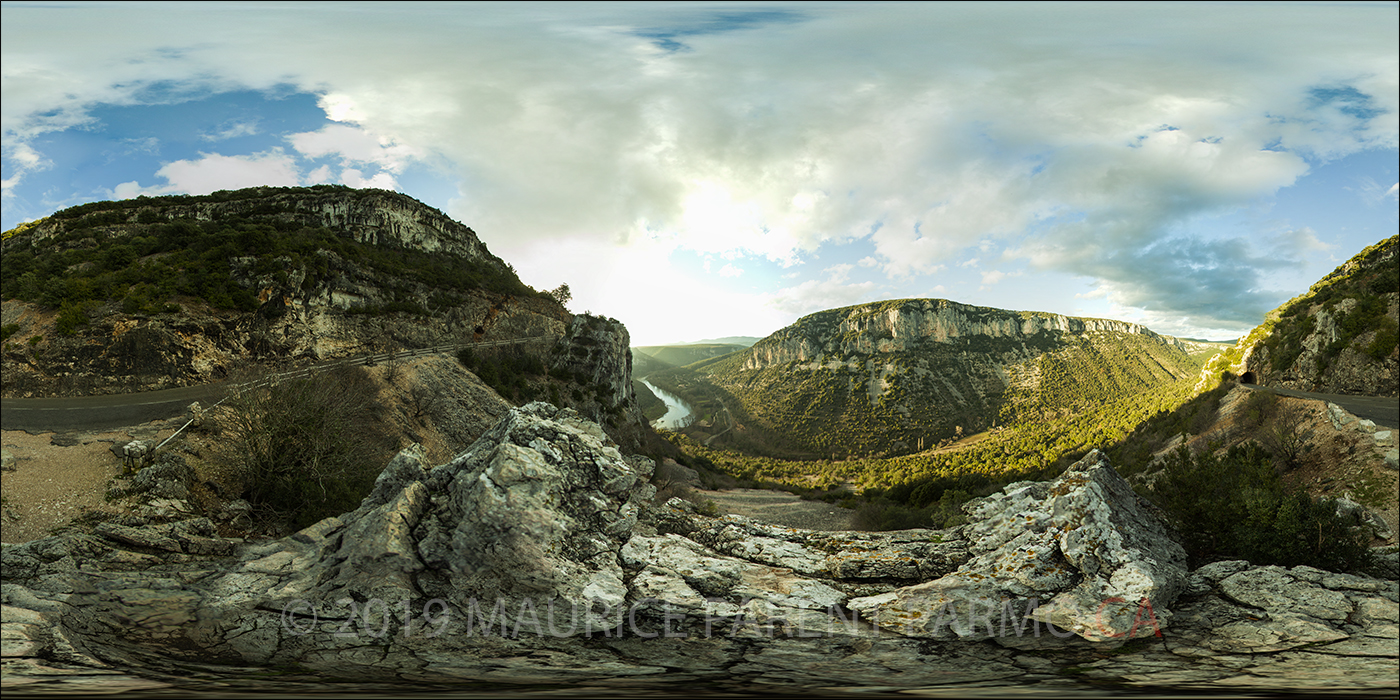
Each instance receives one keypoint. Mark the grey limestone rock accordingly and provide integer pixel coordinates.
(1092, 558)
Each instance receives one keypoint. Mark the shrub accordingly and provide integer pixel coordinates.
(1384, 343)
(1236, 506)
(306, 449)
(70, 317)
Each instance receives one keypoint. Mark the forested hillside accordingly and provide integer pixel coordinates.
(898, 377)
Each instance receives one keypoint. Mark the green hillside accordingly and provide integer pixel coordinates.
(1338, 337)
(863, 381)
(644, 364)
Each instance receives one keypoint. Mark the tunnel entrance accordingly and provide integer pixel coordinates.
(1248, 378)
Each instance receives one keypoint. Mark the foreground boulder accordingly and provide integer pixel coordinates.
(536, 556)
(1083, 552)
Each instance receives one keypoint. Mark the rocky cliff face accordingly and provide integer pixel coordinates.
(890, 376)
(305, 306)
(375, 217)
(1338, 338)
(912, 324)
(536, 556)
(595, 352)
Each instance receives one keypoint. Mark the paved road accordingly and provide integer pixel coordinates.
(1381, 410)
(122, 410)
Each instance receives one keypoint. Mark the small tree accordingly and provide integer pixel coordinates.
(1285, 437)
(561, 294)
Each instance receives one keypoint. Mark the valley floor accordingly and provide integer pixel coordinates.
(782, 508)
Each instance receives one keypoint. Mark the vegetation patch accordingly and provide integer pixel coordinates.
(306, 449)
(1235, 506)
(124, 252)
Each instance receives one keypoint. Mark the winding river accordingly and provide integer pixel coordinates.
(678, 413)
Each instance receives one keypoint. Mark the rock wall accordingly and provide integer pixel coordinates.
(378, 217)
(1349, 371)
(886, 377)
(302, 318)
(898, 326)
(536, 556)
(121, 353)
(1306, 344)
(595, 351)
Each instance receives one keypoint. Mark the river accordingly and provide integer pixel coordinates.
(678, 413)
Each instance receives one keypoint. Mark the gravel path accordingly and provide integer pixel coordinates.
(53, 483)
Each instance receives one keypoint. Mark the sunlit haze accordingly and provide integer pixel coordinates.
(706, 170)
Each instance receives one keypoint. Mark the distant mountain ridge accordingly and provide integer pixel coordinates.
(892, 375)
(744, 340)
(678, 355)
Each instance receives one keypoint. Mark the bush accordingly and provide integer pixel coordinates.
(1236, 506)
(70, 317)
(306, 449)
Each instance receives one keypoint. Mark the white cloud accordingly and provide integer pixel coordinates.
(993, 277)
(816, 295)
(355, 178)
(230, 130)
(212, 172)
(839, 273)
(730, 271)
(319, 176)
(353, 145)
(1394, 191)
(25, 160)
(925, 129)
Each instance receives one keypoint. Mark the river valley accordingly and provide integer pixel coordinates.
(679, 414)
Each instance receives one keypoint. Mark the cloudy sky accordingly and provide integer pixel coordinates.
(700, 170)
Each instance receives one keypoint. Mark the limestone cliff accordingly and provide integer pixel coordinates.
(894, 375)
(160, 292)
(594, 352)
(1338, 338)
(912, 324)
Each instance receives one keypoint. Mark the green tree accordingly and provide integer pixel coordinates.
(561, 294)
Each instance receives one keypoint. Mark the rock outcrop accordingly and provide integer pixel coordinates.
(536, 556)
(594, 352)
(1085, 545)
(909, 324)
(1338, 338)
(300, 306)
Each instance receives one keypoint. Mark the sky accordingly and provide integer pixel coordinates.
(718, 169)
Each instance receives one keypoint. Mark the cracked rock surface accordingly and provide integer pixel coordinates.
(537, 557)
